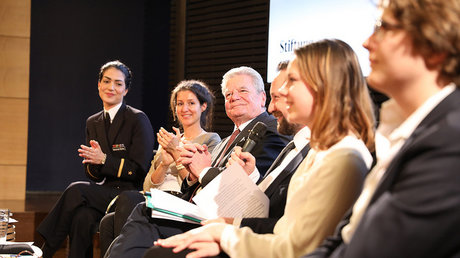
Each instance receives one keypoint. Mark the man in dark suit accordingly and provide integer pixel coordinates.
(117, 157)
(267, 149)
(245, 106)
(410, 204)
(244, 93)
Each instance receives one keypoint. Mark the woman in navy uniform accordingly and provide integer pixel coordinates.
(116, 157)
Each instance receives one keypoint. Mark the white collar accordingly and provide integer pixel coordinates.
(113, 111)
(302, 138)
(393, 124)
(243, 125)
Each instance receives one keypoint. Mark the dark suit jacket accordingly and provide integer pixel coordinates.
(277, 193)
(129, 147)
(265, 151)
(415, 211)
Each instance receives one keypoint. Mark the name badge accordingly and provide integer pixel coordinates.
(118, 147)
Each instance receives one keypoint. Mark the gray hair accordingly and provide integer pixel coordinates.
(257, 81)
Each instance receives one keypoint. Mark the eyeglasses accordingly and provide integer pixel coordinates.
(382, 26)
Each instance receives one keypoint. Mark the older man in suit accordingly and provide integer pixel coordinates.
(245, 98)
(245, 106)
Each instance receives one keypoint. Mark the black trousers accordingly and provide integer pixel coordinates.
(112, 223)
(141, 230)
(160, 252)
(76, 214)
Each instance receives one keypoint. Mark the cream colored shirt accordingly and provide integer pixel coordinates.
(392, 133)
(172, 180)
(321, 190)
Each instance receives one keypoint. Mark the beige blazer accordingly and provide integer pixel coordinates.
(321, 190)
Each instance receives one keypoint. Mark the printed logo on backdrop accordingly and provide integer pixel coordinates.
(288, 46)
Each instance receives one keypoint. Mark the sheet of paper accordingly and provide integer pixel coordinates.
(162, 215)
(173, 207)
(232, 194)
(15, 243)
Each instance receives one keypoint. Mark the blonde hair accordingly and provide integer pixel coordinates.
(342, 102)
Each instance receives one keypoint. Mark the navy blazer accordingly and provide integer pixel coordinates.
(265, 151)
(128, 146)
(415, 211)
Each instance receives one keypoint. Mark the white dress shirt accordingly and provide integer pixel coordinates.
(301, 139)
(113, 111)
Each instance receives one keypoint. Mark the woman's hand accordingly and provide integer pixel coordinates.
(161, 167)
(218, 220)
(93, 154)
(166, 158)
(205, 240)
(204, 249)
(169, 141)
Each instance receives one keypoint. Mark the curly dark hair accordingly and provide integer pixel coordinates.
(202, 93)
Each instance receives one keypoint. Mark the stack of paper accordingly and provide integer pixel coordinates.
(231, 194)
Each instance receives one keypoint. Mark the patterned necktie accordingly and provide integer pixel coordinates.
(227, 145)
(229, 142)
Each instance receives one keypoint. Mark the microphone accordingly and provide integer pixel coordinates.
(255, 135)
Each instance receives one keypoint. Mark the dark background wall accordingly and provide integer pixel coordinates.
(162, 41)
(221, 35)
(70, 40)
